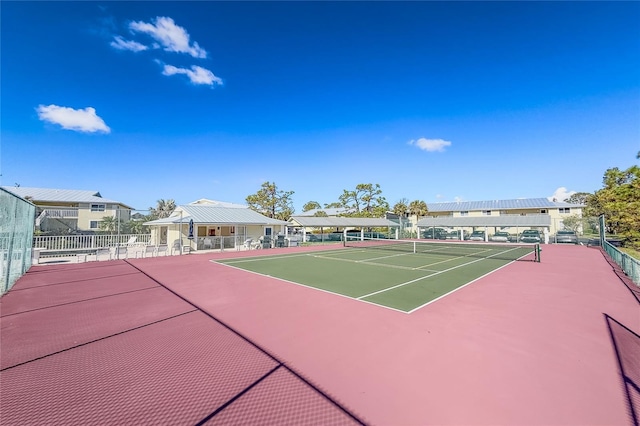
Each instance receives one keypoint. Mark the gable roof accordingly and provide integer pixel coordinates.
(207, 202)
(60, 195)
(203, 213)
(520, 203)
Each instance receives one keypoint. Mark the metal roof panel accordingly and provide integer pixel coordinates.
(59, 195)
(520, 203)
(218, 215)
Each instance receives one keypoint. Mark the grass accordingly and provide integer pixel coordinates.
(631, 252)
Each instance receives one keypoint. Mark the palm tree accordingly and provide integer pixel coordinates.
(400, 208)
(109, 224)
(418, 208)
(163, 209)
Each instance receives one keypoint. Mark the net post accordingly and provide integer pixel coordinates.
(538, 250)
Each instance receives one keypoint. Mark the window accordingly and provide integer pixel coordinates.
(94, 224)
(543, 211)
(486, 212)
(97, 207)
(464, 213)
(564, 210)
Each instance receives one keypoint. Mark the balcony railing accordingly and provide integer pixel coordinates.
(81, 242)
(61, 213)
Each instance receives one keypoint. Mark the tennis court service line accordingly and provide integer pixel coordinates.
(408, 268)
(366, 262)
(311, 287)
(230, 260)
(429, 276)
(458, 288)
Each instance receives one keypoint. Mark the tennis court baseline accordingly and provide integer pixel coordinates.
(393, 274)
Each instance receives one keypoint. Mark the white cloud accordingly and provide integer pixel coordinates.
(122, 44)
(457, 199)
(561, 194)
(171, 36)
(81, 120)
(430, 145)
(196, 74)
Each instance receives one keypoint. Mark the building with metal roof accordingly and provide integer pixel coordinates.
(515, 204)
(70, 210)
(498, 215)
(213, 226)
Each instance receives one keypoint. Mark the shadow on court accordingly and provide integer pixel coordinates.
(626, 345)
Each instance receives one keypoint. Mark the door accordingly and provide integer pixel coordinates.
(163, 234)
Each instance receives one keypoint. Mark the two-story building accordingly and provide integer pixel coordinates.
(493, 215)
(70, 210)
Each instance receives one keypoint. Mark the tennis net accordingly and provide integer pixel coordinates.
(507, 251)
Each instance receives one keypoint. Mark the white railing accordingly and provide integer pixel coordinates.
(61, 213)
(81, 242)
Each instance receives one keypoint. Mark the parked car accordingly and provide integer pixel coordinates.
(477, 236)
(566, 237)
(500, 237)
(435, 234)
(530, 236)
(453, 235)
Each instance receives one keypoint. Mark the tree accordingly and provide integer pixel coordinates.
(335, 205)
(418, 208)
(320, 213)
(573, 222)
(401, 208)
(365, 201)
(109, 224)
(619, 201)
(136, 226)
(311, 205)
(272, 202)
(579, 198)
(163, 209)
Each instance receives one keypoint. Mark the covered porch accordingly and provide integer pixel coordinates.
(204, 227)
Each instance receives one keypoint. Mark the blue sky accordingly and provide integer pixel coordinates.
(433, 101)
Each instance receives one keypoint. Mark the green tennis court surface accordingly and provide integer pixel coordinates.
(394, 274)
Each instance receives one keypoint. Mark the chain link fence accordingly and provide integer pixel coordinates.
(629, 264)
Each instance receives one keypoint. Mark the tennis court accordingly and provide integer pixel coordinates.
(403, 275)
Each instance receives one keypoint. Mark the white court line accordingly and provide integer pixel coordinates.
(367, 262)
(442, 261)
(458, 288)
(384, 257)
(427, 276)
(313, 288)
(230, 260)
